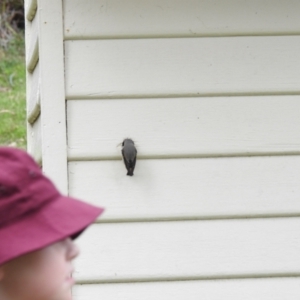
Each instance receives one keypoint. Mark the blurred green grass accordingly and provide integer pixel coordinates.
(13, 94)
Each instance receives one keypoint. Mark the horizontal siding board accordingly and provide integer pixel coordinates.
(184, 126)
(189, 249)
(190, 188)
(182, 66)
(246, 289)
(117, 18)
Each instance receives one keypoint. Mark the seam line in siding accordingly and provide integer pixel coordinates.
(76, 158)
(70, 37)
(200, 218)
(98, 96)
(189, 278)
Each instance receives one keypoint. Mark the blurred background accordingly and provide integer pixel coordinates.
(12, 74)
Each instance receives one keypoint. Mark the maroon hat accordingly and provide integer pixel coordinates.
(33, 214)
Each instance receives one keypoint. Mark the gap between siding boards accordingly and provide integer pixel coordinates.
(70, 37)
(198, 218)
(99, 96)
(190, 156)
(192, 278)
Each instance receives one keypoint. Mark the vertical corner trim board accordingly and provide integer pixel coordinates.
(52, 91)
(182, 67)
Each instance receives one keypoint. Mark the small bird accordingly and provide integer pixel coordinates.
(129, 155)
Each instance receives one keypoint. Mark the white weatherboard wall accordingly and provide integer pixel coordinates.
(210, 93)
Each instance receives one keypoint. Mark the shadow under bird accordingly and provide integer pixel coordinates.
(129, 153)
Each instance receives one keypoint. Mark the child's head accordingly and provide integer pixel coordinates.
(37, 226)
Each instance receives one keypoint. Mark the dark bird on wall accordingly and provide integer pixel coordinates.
(129, 155)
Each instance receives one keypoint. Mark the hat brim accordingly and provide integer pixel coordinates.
(62, 218)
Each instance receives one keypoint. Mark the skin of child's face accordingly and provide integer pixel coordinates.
(40, 275)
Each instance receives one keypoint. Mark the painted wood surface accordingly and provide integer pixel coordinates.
(182, 66)
(86, 19)
(31, 78)
(34, 148)
(33, 101)
(190, 188)
(53, 111)
(184, 127)
(30, 9)
(247, 289)
(146, 251)
(32, 52)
